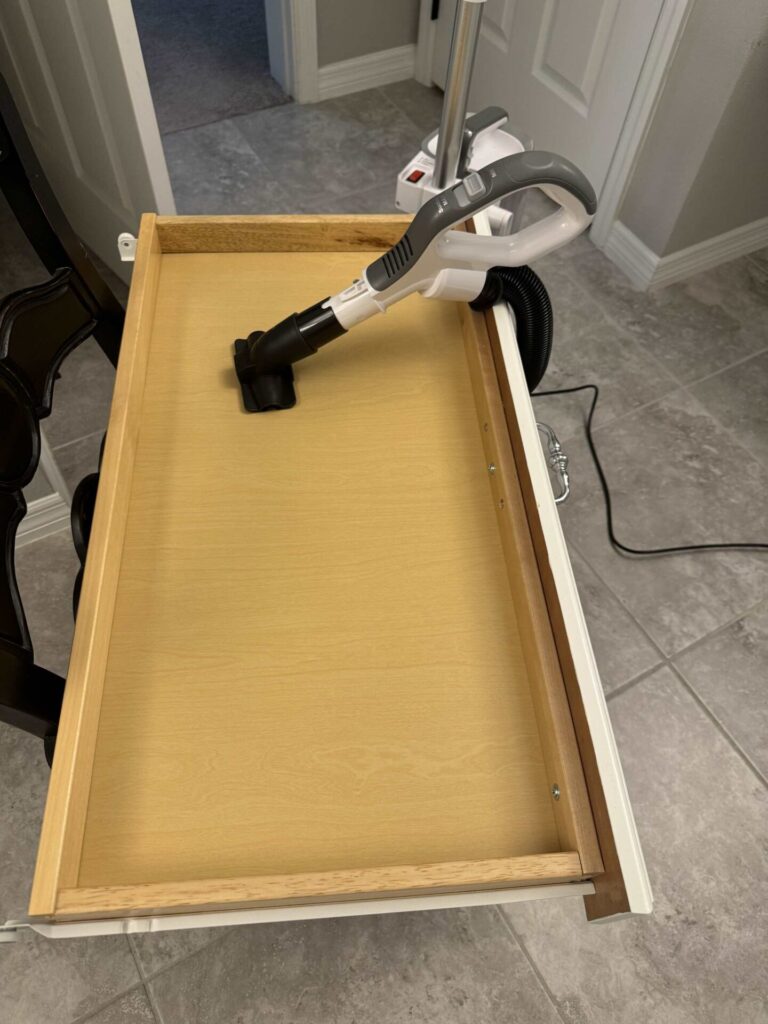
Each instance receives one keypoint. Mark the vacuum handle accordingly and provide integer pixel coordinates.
(478, 190)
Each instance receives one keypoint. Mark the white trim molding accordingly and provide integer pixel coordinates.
(648, 271)
(45, 516)
(425, 44)
(300, 27)
(366, 72)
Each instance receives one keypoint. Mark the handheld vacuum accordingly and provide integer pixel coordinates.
(433, 258)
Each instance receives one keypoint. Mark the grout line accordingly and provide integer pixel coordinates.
(406, 115)
(90, 1014)
(229, 117)
(153, 1003)
(77, 440)
(639, 678)
(225, 930)
(721, 728)
(657, 647)
(616, 419)
(517, 941)
(717, 630)
(615, 323)
(595, 298)
(725, 369)
(732, 434)
(144, 980)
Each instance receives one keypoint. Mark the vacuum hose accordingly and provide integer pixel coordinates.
(526, 295)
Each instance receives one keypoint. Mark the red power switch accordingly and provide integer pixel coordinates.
(416, 175)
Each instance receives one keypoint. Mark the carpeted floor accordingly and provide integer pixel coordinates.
(206, 60)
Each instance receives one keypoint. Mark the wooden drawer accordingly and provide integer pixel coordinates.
(329, 660)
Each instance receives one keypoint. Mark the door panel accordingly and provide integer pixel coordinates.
(77, 76)
(571, 49)
(564, 69)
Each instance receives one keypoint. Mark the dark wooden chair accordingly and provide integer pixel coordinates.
(39, 327)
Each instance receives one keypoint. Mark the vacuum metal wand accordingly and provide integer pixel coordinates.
(466, 32)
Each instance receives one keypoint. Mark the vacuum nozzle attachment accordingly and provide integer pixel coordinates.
(265, 391)
(263, 360)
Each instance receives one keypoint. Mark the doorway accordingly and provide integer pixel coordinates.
(206, 61)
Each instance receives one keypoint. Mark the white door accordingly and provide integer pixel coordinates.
(77, 75)
(564, 69)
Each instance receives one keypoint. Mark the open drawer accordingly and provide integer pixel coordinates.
(329, 660)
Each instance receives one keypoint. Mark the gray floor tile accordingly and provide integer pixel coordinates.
(46, 571)
(78, 458)
(603, 355)
(213, 169)
(132, 1008)
(379, 199)
(41, 980)
(23, 787)
(738, 397)
(729, 672)
(450, 966)
(676, 477)
(334, 148)
(82, 395)
(46, 981)
(621, 648)
(690, 328)
(740, 287)
(574, 310)
(158, 950)
(702, 820)
(422, 104)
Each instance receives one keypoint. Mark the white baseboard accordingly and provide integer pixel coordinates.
(44, 516)
(648, 271)
(367, 72)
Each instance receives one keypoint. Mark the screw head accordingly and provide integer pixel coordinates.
(555, 791)
(491, 468)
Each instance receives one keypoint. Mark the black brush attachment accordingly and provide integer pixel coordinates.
(263, 392)
(263, 360)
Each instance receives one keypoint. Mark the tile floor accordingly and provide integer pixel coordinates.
(682, 645)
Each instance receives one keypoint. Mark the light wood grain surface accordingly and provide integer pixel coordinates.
(319, 887)
(314, 661)
(516, 519)
(299, 233)
(58, 861)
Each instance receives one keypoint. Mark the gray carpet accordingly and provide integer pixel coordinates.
(206, 60)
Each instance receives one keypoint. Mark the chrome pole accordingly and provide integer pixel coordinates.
(466, 32)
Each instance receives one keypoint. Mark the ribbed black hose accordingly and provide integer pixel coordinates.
(526, 295)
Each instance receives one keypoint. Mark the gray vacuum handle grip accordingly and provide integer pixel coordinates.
(478, 190)
(475, 125)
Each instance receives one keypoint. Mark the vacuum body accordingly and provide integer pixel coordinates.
(432, 258)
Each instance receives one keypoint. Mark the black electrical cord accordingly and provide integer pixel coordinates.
(624, 548)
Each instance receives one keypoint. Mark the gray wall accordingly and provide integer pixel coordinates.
(731, 187)
(351, 28)
(689, 184)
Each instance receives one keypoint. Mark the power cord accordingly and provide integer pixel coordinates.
(624, 548)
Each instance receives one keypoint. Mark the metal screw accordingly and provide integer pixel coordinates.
(555, 791)
(501, 503)
(491, 468)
